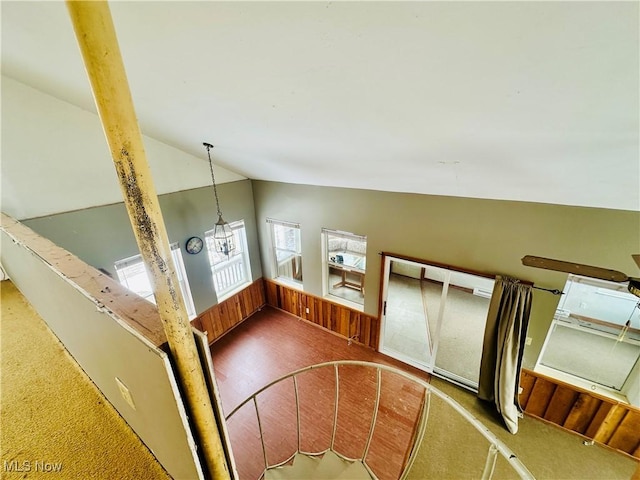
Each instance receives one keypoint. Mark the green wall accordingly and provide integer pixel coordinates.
(484, 235)
(102, 235)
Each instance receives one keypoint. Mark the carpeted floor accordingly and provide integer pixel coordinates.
(55, 423)
(546, 450)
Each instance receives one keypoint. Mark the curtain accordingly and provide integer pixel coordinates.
(504, 339)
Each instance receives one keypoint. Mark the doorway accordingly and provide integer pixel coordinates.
(433, 318)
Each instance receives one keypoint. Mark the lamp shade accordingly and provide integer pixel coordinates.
(223, 237)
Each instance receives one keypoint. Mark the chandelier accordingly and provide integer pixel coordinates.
(223, 237)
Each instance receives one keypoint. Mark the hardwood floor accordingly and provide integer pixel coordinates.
(273, 343)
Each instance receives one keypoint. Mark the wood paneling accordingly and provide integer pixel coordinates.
(272, 343)
(540, 398)
(626, 436)
(526, 384)
(222, 317)
(560, 405)
(349, 323)
(582, 413)
(610, 424)
(597, 417)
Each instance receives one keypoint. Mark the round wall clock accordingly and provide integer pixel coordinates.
(194, 245)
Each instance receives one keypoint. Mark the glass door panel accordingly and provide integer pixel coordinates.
(434, 318)
(462, 332)
(405, 335)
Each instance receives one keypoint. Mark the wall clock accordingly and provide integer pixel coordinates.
(194, 245)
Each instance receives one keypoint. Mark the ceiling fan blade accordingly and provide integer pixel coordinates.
(636, 257)
(575, 268)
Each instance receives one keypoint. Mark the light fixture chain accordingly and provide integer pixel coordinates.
(215, 189)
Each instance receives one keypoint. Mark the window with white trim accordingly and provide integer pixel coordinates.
(230, 272)
(345, 258)
(594, 338)
(133, 275)
(286, 253)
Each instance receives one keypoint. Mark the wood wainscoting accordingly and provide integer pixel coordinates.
(596, 417)
(349, 323)
(222, 317)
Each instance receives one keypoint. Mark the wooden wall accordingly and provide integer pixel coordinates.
(222, 317)
(596, 417)
(350, 323)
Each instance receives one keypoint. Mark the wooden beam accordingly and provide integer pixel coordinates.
(96, 37)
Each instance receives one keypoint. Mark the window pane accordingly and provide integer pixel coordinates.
(133, 274)
(586, 354)
(135, 278)
(287, 252)
(346, 265)
(233, 271)
(183, 280)
(595, 334)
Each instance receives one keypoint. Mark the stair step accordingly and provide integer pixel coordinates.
(328, 467)
(355, 471)
(301, 468)
(306, 463)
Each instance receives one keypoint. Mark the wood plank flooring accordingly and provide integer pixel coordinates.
(273, 343)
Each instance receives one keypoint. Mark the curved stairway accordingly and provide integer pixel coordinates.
(331, 464)
(328, 466)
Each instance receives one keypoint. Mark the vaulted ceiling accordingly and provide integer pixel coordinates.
(531, 101)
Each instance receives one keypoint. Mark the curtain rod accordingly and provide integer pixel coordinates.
(555, 291)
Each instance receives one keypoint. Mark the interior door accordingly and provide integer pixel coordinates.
(434, 318)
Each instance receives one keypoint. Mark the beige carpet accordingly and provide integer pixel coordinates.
(54, 422)
(546, 450)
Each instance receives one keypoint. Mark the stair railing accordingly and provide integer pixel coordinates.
(496, 446)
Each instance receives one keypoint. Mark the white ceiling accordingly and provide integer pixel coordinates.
(532, 101)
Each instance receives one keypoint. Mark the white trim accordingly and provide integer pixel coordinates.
(239, 229)
(180, 271)
(326, 288)
(343, 234)
(344, 301)
(297, 252)
(581, 382)
(283, 223)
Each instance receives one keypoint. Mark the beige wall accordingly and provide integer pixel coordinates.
(483, 235)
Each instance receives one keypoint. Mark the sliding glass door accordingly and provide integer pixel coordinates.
(407, 333)
(434, 318)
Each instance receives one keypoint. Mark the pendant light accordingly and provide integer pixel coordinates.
(223, 237)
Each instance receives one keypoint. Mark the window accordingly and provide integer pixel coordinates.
(287, 250)
(595, 335)
(133, 274)
(345, 259)
(232, 272)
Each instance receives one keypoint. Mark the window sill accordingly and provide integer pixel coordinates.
(346, 303)
(289, 283)
(231, 293)
(581, 383)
